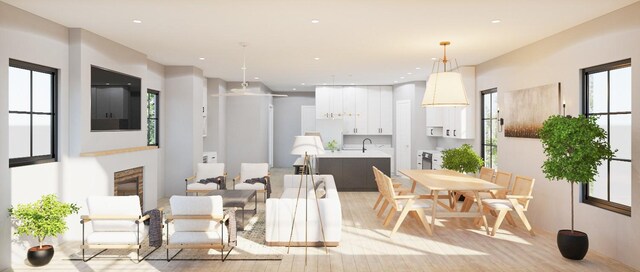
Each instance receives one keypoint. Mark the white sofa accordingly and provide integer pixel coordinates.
(279, 214)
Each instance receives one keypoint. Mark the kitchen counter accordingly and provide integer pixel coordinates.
(354, 154)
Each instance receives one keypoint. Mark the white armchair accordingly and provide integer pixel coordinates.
(198, 223)
(249, 171)
(204, 171)
(117, 222)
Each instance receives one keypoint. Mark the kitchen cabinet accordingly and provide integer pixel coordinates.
(380, 109)
(354, 104)
(353, 174)
(329, 102)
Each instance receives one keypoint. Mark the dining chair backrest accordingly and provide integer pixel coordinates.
(503, 179)
(386, 186)
(487, 174)
(523, 186)
(377, 178)
(209, 170)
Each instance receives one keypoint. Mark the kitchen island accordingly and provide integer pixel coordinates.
(352, 170)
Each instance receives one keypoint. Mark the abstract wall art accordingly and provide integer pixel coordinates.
(525, 110)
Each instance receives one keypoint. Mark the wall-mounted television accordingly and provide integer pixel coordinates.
(115, 100)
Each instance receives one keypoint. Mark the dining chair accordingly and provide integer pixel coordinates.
(517, 200)
(486, 174)
(381, 199)
(501, 178)
(405, 204)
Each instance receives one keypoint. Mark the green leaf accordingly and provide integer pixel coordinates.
(42, 218)
(462, 159)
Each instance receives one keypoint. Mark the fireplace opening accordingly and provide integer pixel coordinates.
(129, 182)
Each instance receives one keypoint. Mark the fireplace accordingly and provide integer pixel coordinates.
(129, 182)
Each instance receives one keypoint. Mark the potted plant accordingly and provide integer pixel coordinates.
(574, 147)
(332, 145)
(40, 219)
(461, 159)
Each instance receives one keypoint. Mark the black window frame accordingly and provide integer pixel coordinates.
(586, 198)
(157, 109)
(53, 157)
(482, 131)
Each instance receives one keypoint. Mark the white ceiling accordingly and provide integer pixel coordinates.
(358, 41)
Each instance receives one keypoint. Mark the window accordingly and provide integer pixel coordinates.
(489, 126)
(152, 117)
(32, 113)
(607, 96)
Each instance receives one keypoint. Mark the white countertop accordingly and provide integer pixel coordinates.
(354, 154)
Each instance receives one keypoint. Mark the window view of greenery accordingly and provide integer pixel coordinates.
(490, 128)
(608, 93)
(152, 118)
(31, 113)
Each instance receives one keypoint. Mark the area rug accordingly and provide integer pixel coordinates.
(251, 246)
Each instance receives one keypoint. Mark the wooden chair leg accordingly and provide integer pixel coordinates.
(525, 221)
(466, 205)
(403, 215)
(377, 202)
(392, 212)
(498, 222)
(423, 220)
(510, 220)
(384, 207)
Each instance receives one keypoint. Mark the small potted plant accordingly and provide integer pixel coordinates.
(40, 219)
(574, 147)
(332, 145)
(461, 159)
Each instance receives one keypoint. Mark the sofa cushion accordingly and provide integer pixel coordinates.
(196, 205)
(201, 186)
(116, 237)
(253, 170)
(209, 170)
(198, 237)
(114, 206)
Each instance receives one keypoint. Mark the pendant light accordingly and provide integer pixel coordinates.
(444, 88)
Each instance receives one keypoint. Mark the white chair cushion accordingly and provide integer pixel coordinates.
(198, 237)
(116, 237)
(209, 170)
(499, 204)
(249, 186)
(114, 206)
(196, 205)
(200, 186)
(253, 170)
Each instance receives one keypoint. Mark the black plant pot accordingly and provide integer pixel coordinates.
(573, 245)
(40, 256)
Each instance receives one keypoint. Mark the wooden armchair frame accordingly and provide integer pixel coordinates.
(517, 201)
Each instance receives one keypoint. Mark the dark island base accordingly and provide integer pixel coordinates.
(354, 174)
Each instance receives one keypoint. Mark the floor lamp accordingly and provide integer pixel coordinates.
(307, 146)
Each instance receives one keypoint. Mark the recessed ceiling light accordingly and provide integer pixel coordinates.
(353, 84)
(401, 77)
(434, 58)
(316, 58)
(496, 21)
(324, 83)
(137, 21)
(107, 83)
(418, 68)
(256, 78)
(409, 73)
(302, 83)
(201, 58)
(315, 21)
(395, 81)
(294, 89)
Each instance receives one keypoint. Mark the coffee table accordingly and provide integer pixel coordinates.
(237, 199)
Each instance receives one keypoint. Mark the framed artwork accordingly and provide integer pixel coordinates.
(525, 110)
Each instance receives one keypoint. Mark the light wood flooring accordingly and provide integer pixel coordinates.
(365, 246)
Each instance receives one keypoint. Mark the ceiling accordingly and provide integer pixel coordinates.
(357, 41)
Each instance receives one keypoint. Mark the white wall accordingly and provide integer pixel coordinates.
(183, 148)
(559, 58)
(414, 91)
(155, 81)
(246, 129)
(30, 38)
(287, 125)
(216, 118)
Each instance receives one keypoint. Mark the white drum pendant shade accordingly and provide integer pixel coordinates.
(445, 89)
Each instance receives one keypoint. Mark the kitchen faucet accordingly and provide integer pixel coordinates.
(363, 149)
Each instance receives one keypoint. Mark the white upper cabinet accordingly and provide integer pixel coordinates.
(459, 122)
(354, 105)
(329, 102)
(380, 109)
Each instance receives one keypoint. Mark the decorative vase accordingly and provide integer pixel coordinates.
(573, 245)
(40, 256)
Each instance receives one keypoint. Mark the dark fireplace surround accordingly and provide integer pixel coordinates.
(129, 182)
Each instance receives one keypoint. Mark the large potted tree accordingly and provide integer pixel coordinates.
(41, 219)
(575, 147)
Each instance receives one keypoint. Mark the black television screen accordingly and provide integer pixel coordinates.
(115, 100)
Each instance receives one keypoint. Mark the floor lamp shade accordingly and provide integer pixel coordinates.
(445, 89)
(309, 145)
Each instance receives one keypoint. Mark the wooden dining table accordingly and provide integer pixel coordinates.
(450, 181)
